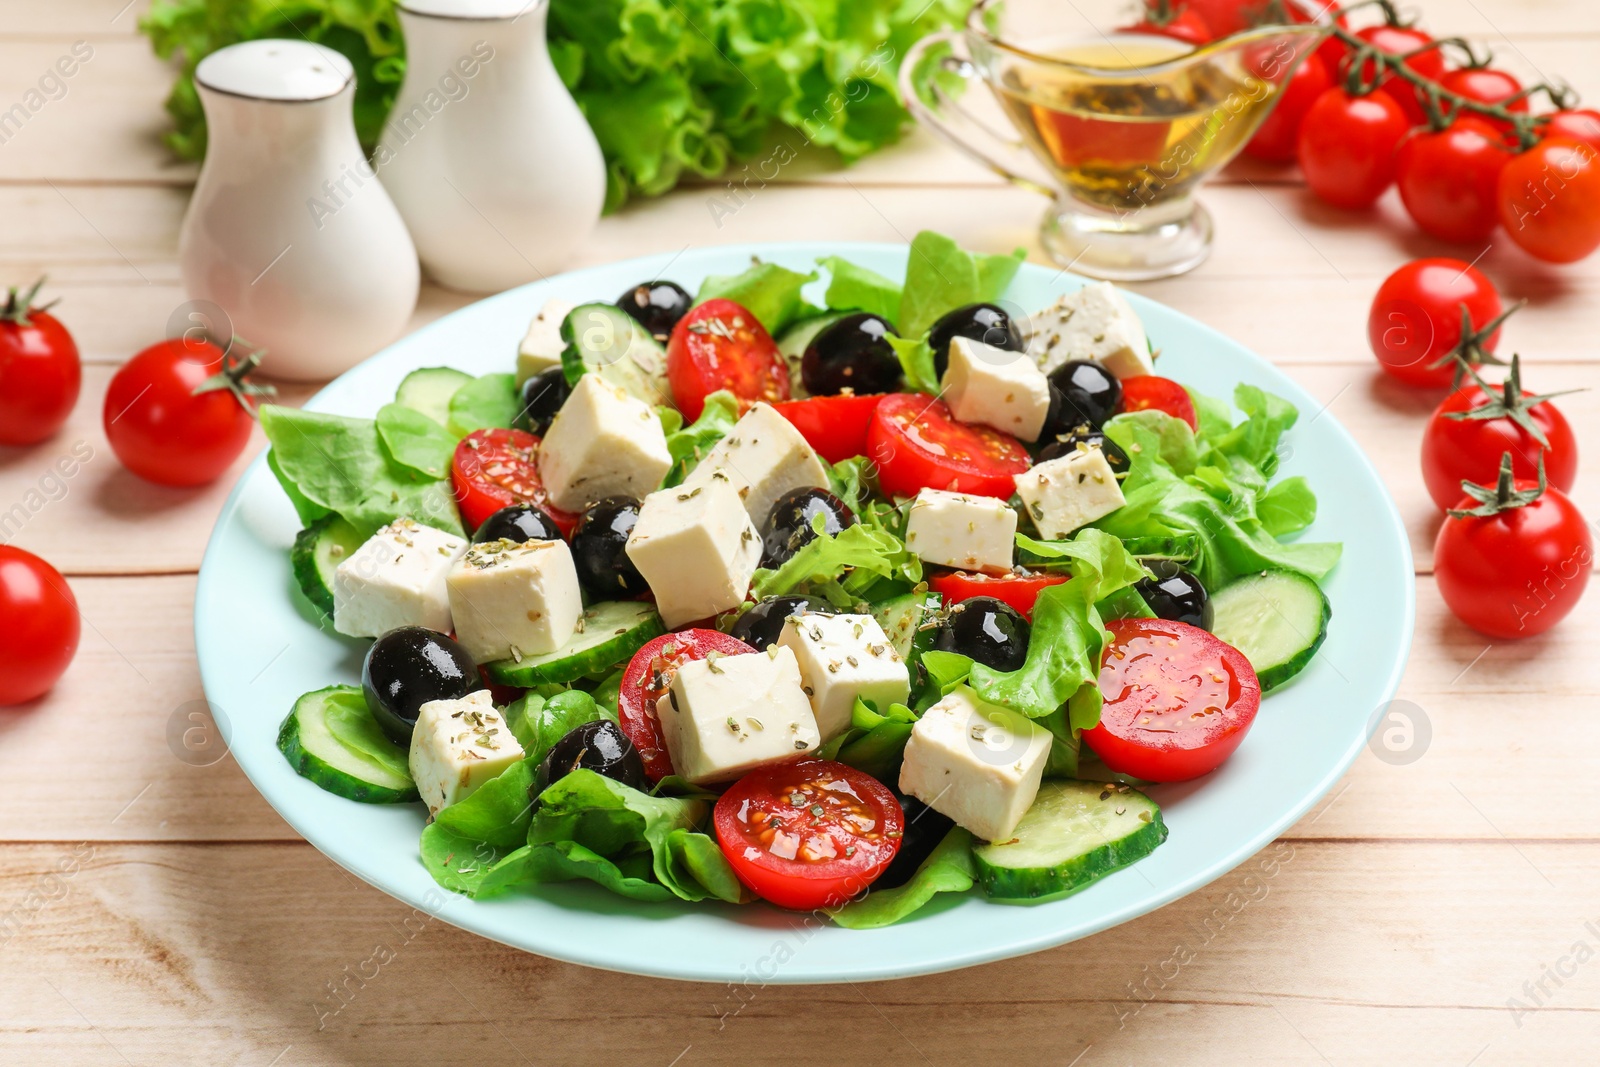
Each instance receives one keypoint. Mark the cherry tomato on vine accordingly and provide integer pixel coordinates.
(1474, 428)
(39, 618)
(1279, 134)
(1550, 200)
(1416, 317)
(494, 469)
(39, 370)
(1513, 559)
(1177, 19)
(1347, 146)
(1582, 126)
(1150, 391)
(179, 413)
(1223, 17)
(1486, 85)
(720, 345)
(1396, 41)
(1449, 181)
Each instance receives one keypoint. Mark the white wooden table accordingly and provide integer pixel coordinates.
(155, 912)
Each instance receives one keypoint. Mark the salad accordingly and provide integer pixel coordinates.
(732, 596)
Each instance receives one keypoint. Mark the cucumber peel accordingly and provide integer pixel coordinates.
(611, 632)
(331, 739)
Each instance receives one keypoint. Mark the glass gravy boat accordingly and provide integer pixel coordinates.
(1120, 128)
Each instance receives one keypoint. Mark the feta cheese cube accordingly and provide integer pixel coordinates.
(457, 746)
(602, 443)
(510, 599)
(542, 347)
(975, 533)
(765, 457)
(842, 657)
(725, 715)
(1095, 323)
(994, 387)
(697, 549)
(397, 578)
(976, 762)
(1069, 491)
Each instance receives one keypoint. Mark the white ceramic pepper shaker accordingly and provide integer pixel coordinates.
(492, 164)
(289, 230)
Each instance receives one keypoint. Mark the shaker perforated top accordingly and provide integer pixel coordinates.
(286, 71)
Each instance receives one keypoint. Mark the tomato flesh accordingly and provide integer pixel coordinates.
(1178, 701)
(808, 833)
(493, 469)
(40, 374)
(39, 618)
(161, 429)
(1019, 591)
(1152, 392)
(835, 426)
(917, 444)
(720, 345)
(648, 677)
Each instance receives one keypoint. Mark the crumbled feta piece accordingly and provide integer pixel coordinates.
(696, 548)
(765, 457)
(511, 600)
(843, 657)
(542, 347)
(397, 578)
(994, 387)
(457, 746)
(725, 715)
(1095, 323)
(1069, 491)
(602, 443)
(976, 762)
(974, 533)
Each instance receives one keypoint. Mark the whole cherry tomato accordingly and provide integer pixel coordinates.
(1347, 146)
(1582, 126)
(1512, 560)
(1550, 200)
(39, 618)
(1475, 426)
(1177, 19)
(39, 370)
(720, 345)
(1223, 17)
(1279, 134)
(1487, 86)
(179, 413)
(1450, 180)
(1416, 317)
(1398, 41)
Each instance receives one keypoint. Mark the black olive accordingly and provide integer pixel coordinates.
(854, 354)
(977, 322)
(407, 668)
(1067, 443)
(762, 625)
(789, 523)
(987, 630)
(542, 396)
(519, 522)
(600, 549)
(925, 828)
(599, 746)
(1081, 392)
(657, 306)
(1176, 594)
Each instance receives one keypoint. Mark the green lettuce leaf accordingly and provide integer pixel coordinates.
(486, 403)
(873, 742)
(948, 869)
(941, 276)
(689, 444)
(853, 288)
(469, 846)
(861, 551)
(916, 363)
(769, 292)
(539, 722)
(413, 440)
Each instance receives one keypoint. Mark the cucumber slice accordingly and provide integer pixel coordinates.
(1075, 833)
(793, 341)
(1278, 619)
(605, 340)
(902, 619)
(318, 550)
(332, 739)
(609, 633)
(429, 390)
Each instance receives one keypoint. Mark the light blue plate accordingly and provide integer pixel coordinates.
(259, 650)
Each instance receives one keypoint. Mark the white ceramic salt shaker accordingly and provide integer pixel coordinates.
(492, 164)
(289, 230)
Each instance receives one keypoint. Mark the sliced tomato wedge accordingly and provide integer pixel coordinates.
(836, 426)
(493, 469)
(917, 444)
(808, 833)
(647, 679)
(1177, 700)
(720, 345)
(1019, 591)
(1151, 391)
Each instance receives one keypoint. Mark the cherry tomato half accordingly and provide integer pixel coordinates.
(648, 677)
(1347, 146)
(39, 618)
(1153, 392)
(917, 444)
(1416, 317)
(39, 371)
(720, 345)
(1450, 180)
(1017, 590)
(1278, 137)
(1457, 450)
(165, 431)
(809, 833)
(1177, 700)
(493, 469)
(836, 426)
(1550, 200)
